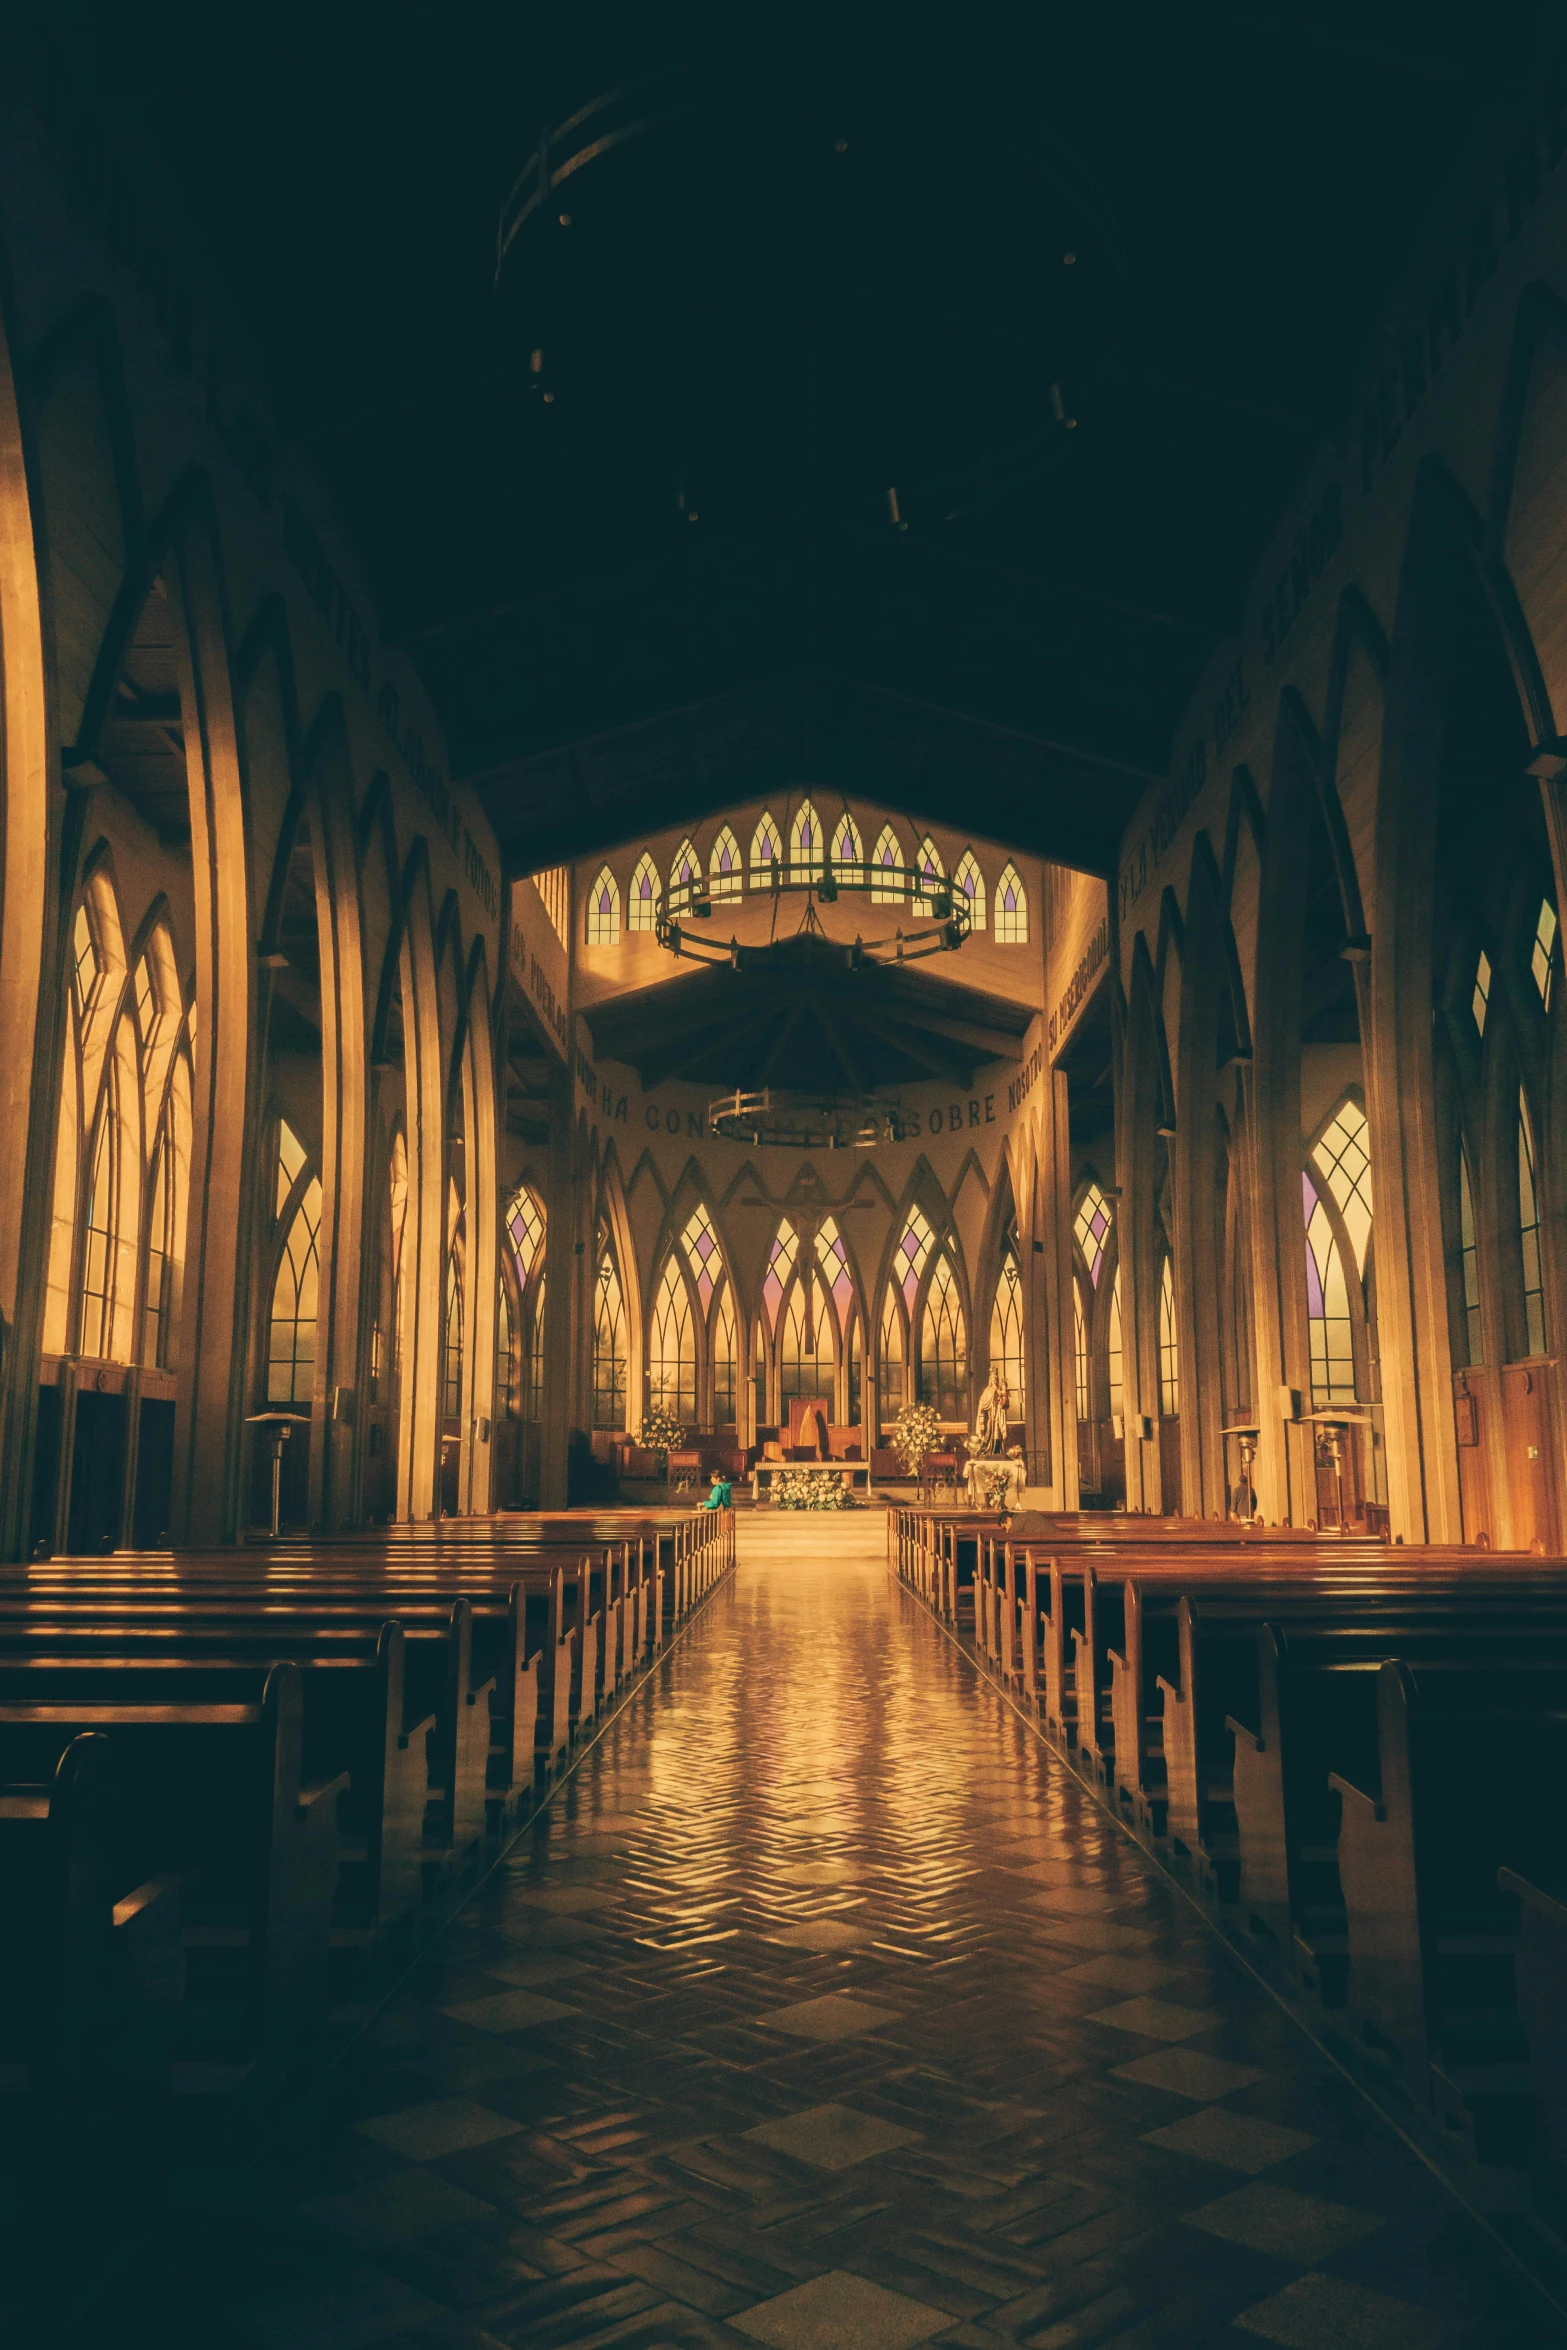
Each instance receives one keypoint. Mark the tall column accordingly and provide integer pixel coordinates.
(566, 1251)
(1052, 1284)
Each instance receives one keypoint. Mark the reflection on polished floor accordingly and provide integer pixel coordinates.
(822, 2008)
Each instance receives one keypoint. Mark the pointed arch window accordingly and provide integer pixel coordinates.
(525, 1226)
(642, 898)
(889, 886)
(451, 1347)
(672, 1347)
(1011, 909)
(780, 1264)
(604, 910)
(931, 870)
(703, 1254)
(1480, 1001)
(686, 866)
(971, 883)
(726, 1360)
(290, 1159)
(1113, 1350)
(505, 1356)
(1327, 1305)
(291, 1348)
(766, 854)
(805, 843)
(98, 1231)
(848, 850)
(1469, 1257)
(805, 1347)
(609, 1342)
(1091, 1229)
(1542, 953)
(160, 1254)
(533, 1391)
(1080, 1351)
(1342, 1157)
(87, 960)
(944, 1344)
(724, 878)
(1529, 1232)
(891, 1368)
(908, 1258)
(1169, 1346)
(1006, 1328)
(833, 1259)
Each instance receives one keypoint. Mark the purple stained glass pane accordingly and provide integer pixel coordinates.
(1314, 1305)
(806, 835)
(842, 1290)
(1308, 1193)
(645, 886)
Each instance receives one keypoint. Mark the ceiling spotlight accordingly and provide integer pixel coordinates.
(1068, 259)
(564, 218)
(840, 146)
(549, 399)
(693, 516)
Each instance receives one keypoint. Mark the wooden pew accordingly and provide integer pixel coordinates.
(1470, 1764)
(216, 1795)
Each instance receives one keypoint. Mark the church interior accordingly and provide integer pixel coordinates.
(783, 806)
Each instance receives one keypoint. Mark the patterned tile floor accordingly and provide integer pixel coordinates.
(822, 2009)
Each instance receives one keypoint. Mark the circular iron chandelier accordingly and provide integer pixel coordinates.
(692, 900)
(804, 1121)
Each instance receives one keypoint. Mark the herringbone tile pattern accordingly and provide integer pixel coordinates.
(821, 2009)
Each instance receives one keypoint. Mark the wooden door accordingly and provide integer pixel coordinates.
(1527, 1423)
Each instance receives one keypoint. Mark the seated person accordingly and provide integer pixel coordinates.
(722, 1495)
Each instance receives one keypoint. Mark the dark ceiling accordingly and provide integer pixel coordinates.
(834, 265)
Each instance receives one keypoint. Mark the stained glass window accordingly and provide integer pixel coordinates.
(290, 1158)
(806, 847)
(856, 1370)
(1543, 950)
(724, 879)
(533, 1401)
(1011, 909)
(1006, 1330)
(85, 950)
(928, 865)
(908, 1258)
(805, 1348)
(891, 1375)
(1481, 1000)
(451, 1351)
(703, 1254)
(971, 882)
(1169, 1349)
(505, 1363)
(609, 1343)
(1327, 1305)
(847, 847)
(291, 1351)
(642, 902)
(1471, 1262)
(889, 887)
(1080, 1351)
(1113, 1349)
(1529, 1232)
(146, 1000)
(944, 1344)
(725, 1361)
(833, 1259)
(780, 1263)
(160, 1252)
(525, 1224)
(604, 910)
(1091, 1229)
(1342, 1159)
(672, 1348)
(98, 1235)
(685, 869)
(766, 854)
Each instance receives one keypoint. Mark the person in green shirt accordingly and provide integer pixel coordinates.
(722, 1495)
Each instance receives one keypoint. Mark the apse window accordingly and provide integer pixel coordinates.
(1011, 910)
(1543, 953)
(848, 851)
(1091, 1229)
(766, 855)
(971, 882)
(1480, 1002)
(888, 886)
(642, 913)
(604, 910)
(723, 867)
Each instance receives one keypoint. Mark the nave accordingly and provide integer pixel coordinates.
(823, 2006)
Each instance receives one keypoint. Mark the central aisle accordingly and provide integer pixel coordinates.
(823, 2008)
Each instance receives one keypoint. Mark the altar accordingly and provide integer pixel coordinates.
(996, 1484)
(849, 1473)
